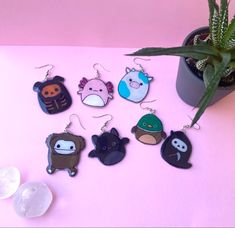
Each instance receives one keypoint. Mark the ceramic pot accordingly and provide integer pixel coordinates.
(190, 87)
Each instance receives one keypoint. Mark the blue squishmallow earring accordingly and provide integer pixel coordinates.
(109, 146)
(134, 86)
(53, 96)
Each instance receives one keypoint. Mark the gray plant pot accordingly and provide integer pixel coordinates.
(189, 86)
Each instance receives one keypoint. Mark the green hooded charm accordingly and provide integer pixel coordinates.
(149, 130)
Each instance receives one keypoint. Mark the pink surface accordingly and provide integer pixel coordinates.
(105, 23)
(142, 190)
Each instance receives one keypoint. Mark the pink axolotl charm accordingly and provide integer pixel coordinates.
(95, 92)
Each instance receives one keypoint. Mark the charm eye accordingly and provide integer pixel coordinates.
(175, 142)
(141, 83)
(58, 146)
(90, 88)
(71, 147)
(46, 93)
(101, 90)
(144, 124)
(130, 80)
(56, 89)
(104, 147)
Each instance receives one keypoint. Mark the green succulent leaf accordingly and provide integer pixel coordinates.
(212, 86)
(197, 52)
(229, 35)
(207, 74)
(223, 20)
(215, 28)
(212, 7)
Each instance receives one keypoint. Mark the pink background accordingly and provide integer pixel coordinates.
(142, 190)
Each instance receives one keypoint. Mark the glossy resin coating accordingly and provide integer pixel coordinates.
(134, 86)
(149, 130)
(176, 150)
(53, 96)
(109, 147)
(95, 92)
(64, 152)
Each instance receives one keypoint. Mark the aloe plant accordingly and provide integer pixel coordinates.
(214, 55)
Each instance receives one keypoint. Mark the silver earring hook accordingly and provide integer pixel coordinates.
(196, 126)
(48, 74)
(97, 71)
(138, 64)
(106, 122)
(70, 123)
(153, 111)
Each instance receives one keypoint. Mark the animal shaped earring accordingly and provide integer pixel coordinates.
(53, 96)
(95, 92)
(177, 148)
(149, 129)
(64, 150)
(134, 86)
(109, 147)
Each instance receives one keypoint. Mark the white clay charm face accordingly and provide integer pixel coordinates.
(65, 147)
(9, 181)
(134, 86)
(95, 92)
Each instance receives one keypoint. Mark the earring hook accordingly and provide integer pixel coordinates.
(97, 71)
(48, 74)
(138, 64)
(106, 122)
(153, 111)
(196, 126)
(70, 123)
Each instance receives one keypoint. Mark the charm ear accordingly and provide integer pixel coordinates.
(133, 130)
(36, 86)
(150, 79)
(94, 139)
(58, 79)
(48, 139)
(92, 154)
(82, 143)
(172, 132)
(125, 140)
(114, 132)
(128, 69)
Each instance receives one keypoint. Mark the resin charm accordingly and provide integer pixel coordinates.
(149, 130)
(176, 150)
(109, 147)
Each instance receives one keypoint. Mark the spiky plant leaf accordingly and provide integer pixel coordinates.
(223, 25)
(215, 28)
(211, 88)
(212, 6)
(201, 64)
(197, 52)
(230, 33)
(207, 74)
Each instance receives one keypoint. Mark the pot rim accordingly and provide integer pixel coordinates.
(187, 38)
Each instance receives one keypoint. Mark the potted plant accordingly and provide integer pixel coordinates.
(207, 65)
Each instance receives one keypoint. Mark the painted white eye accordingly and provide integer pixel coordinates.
(179, 145)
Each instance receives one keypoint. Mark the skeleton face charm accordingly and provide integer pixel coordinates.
(109, 148)
(149, 130)
(64, 152)
(134, 86)
(53, 96)
(95, 92)
(176, 150)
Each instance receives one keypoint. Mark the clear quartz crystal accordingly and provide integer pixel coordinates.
(32, 199)
(9, 181)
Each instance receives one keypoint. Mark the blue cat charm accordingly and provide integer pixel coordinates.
(134, 86)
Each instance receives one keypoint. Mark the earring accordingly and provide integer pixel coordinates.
(109, 147)
(64, 150)
(177, 148)
(149, 129)
(134, 86)
(53, 96)
(95, 92)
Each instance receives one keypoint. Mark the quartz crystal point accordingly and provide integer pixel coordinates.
(32, 199)
(9, 181)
